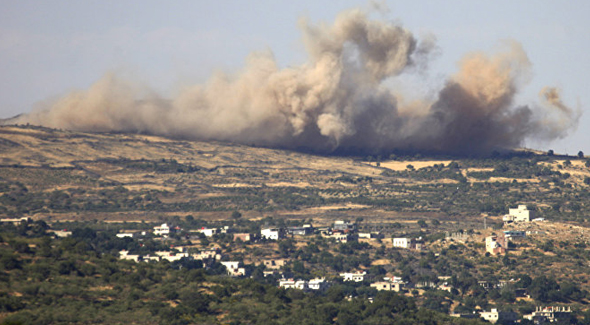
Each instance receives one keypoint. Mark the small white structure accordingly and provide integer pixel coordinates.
(171, 257)
(125, 235)
(318, 284)
(383, 285)
(341, 237)
(62, 233)
(124, 255)
(208, 232)
(293, 284)
(274, 264)
(407, 243)
(162, 230)
(208, 254)
(343, 225)
(315, 284)
(356, 277)
(494, 316)
(233, 268)
(496, 245)
(520, 214)
(271, 233)
(550, 314)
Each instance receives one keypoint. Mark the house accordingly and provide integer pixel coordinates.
(208, 254)
(318, 284)
(356, 277)
(125, 235)
(495, 315)
(520, 214)
(208, 232)
(496, 245)
(550, 314)
(514, 234)
(407, 243)
(15, 221)
(162, 230)
(124, 255)
(314, 284)
(233, 268)
(271, 233)
(292, 284)
(368, 235)
(274, 264)
(343, 225)
(341, 237)
(242, 237)
(300, 231)
(61, 233)
(172, 256)
(382, 285)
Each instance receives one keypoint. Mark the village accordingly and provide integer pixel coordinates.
(272, 254)
(226, 246)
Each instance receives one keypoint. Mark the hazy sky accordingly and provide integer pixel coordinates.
(48, 48)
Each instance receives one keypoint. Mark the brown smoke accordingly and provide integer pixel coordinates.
(336, 101)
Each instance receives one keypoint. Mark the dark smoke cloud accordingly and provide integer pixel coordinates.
(337, 101)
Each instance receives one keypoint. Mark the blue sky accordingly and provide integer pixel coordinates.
(48, 48)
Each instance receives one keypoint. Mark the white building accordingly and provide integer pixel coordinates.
(293, 284)
(271, 233)
(496, 245)
(162, 230)
(356, 277)
(343, 225)
(171, 257)
(233, 268)
(208, 232)
(520, 214)
(550, 314)
(315, 284)
(124, 255)
(388, 286)
(494, 316)
(318, 284)
(407, 243)
(125, 235)
(208, 254)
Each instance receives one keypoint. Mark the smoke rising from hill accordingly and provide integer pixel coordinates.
(337, 101)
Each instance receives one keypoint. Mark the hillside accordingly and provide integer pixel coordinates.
(48, 173)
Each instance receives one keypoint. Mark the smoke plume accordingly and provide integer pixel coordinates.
(335, 102)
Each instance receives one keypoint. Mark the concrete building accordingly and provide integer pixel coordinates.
(162, 230)
(343, 225)
(514, 234)
(242, 237)
(341, 237)
(550, 314)
(300, 231)
(496, 245)
(314, 284)
(271, 233)
(520, 214)
(388, 286)
(356, 277)
(495, 316)
(407, 243)
(208, 232)
(233, 268)
(274, 264)
(318, 284)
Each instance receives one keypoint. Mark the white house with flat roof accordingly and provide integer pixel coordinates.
(356, 277)
(271, 233)
(520, 214)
